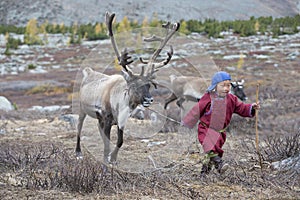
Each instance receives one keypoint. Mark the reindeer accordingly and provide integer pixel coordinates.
(191, 88)
(112, 98)
(237, 88)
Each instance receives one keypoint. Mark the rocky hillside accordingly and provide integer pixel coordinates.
(18, 12)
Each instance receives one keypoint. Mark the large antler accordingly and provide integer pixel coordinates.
(123, 58)
(153, 67)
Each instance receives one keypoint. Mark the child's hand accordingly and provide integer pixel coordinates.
(256, 106)
(181, 123)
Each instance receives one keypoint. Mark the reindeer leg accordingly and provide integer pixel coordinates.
(107, 129)
(79, 128)
(114, 154)
(104, 127)
(171, 98)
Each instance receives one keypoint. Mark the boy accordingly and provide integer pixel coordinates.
(214, 110)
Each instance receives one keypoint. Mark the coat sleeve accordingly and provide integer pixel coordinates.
(193, 116)
(242, 109)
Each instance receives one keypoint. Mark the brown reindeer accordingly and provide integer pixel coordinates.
(192, 88)
(111, 99)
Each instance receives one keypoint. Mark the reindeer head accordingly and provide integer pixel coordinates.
(139, 84)
(238, 89)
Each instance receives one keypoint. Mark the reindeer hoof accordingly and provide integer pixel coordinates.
(108, 159)
(112, 160)
(79, 156)
(113, 163)
(104, 168)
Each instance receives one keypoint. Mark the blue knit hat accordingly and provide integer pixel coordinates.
(217, 78)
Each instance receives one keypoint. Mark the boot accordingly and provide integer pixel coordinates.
(207, 163)
(220, 166)
(206, 168)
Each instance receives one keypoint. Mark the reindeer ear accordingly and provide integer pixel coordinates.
(126, 75)
(155, 86)
(241, 82)
(154, 83)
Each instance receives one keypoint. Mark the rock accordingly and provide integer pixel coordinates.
(138, 113)
(48, 108)
(5, 104)
(151, 144)
(71, 118)
(231, 57)
(38, 70)
(288, 163)
(230, 68)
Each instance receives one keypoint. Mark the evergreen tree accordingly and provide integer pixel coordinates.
(248, 28)
(155, 22)
(212, 28)
(195, 26)
(11, 43)
(134, 24)
(57, 28)
(75, 39)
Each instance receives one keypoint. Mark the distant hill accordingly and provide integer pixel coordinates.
(18, 12)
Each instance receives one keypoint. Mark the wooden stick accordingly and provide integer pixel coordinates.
(256, 129)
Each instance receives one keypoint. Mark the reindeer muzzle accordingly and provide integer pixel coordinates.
(147, 101)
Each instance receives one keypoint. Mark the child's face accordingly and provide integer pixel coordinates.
(223, 88)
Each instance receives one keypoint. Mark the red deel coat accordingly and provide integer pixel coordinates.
(211, 139)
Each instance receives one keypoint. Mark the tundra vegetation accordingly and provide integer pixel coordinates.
(48, 169)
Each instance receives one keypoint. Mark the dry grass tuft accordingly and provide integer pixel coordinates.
(48, 89)
(47, 165)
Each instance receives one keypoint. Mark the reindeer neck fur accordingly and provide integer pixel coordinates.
(133, 83)
(113, 95)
